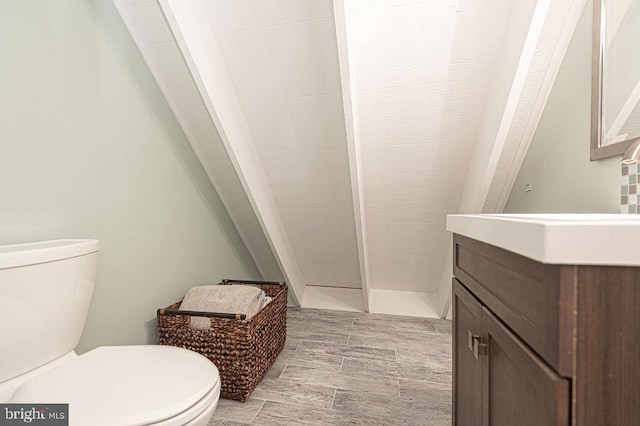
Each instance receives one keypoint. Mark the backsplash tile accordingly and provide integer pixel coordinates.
(629, 189)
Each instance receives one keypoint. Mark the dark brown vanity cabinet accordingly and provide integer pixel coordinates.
(513, 385)
(542, 345)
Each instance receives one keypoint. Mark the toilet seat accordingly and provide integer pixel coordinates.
(129, 385)
(200, 413)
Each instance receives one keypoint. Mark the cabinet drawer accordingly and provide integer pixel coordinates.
(526, 295)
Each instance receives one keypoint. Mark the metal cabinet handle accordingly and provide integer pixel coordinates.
(475, 345)
(470, 339)
(479, 348)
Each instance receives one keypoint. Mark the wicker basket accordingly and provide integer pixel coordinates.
(243, 350)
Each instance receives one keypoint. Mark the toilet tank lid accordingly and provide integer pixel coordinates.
(15, 255)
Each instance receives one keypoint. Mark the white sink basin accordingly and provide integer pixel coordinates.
(571, 239)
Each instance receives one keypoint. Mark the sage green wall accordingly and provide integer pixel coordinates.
(557, 163)
(90, 149)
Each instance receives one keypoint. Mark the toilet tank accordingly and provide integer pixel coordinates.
(45, 291)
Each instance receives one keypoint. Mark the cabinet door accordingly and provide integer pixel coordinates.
(467, 370)
(518, 387)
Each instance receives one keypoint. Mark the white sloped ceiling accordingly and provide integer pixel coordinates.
(339, 133)
(424, 71)
(282, 58)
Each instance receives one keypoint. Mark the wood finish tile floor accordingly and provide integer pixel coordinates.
(350, 368)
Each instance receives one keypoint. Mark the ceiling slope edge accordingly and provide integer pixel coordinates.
(497, 157)
(149, 29)
(204, 59)
(198, 46)
(521, 135)
(154, 39)
(342, 15)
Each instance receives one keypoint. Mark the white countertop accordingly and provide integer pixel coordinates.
(570, 239)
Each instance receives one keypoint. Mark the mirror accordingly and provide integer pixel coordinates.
(615, 104)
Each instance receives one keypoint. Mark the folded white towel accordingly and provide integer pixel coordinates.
(232, 299)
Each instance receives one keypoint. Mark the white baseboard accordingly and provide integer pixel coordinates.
(333, 298)
(408, 303)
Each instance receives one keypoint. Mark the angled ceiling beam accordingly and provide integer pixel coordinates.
(148, 27)
(490, 145)
(342, 16)
(199, 47)
(557, 33)
(505, 138)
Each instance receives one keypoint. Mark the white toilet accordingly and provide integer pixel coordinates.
(45, 289)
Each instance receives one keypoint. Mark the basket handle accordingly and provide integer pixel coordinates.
(227, 281)
(237, 316)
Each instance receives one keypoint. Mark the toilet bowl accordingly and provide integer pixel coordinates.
(47, 288)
